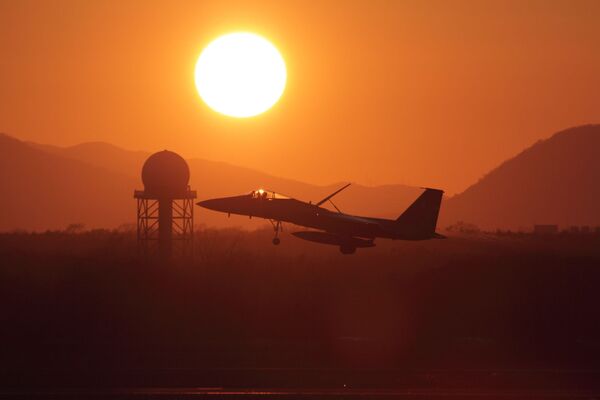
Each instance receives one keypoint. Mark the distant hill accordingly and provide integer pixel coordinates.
(49, 187)
(100, 154)
(555, 181)
(40, 190)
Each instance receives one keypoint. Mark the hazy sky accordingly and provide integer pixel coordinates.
(416, 92)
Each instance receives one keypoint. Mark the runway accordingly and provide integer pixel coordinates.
(282, 383)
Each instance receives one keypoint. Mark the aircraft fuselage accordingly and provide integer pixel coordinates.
(312, 216)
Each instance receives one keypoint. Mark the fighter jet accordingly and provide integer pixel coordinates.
(349, 232)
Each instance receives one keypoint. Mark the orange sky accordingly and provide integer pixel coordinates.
(378, 91)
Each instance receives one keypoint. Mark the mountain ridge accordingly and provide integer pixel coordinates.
(553, 181)
(108, 163)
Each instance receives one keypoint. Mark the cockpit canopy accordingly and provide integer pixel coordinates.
(266, 194)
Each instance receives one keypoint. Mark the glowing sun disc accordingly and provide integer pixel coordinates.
(240, 75)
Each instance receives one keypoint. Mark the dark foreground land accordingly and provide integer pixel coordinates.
(477, 317)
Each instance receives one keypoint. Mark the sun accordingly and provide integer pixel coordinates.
(240, 74)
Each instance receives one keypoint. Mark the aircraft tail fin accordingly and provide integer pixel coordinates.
(422, 214)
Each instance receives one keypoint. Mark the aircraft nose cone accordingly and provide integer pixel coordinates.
(210, 204)
(234, 205)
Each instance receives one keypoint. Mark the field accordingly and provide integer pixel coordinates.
(476, 312)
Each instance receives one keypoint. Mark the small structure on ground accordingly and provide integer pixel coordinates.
(545, 229)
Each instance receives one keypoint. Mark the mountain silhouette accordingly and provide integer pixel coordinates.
(50, 187)
(555, 181)
(41, 190)
(101, 154)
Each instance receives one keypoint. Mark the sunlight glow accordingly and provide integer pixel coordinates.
(240, 75)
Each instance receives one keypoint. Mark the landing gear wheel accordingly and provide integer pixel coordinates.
(348, 249)
(277, 227)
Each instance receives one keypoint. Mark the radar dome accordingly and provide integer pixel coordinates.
(165, 174)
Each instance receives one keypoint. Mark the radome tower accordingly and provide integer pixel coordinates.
(165, 208)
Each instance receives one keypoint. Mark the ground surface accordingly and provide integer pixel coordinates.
(481, 316)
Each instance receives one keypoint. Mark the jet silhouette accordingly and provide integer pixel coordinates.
(349, 232)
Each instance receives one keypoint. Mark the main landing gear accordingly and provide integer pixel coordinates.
(277, 227)
(347, 249)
